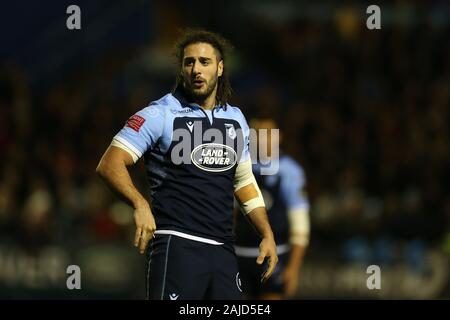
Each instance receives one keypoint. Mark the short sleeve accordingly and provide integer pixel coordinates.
(142, 130)
(246, 145)
(293, 185)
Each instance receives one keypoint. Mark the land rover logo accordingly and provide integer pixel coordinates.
(213, 157)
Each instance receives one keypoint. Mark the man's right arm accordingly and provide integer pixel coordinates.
(140, 133)
(113, 171)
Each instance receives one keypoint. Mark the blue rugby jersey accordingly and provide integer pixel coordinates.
(282, 192)
(195, 197)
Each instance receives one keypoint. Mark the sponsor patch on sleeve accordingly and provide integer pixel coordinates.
(135, 122)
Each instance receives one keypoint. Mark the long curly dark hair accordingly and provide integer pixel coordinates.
(223, 47)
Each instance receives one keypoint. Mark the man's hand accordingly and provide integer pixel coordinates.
(113, 170)
(267, 248)
(290, 277)
(145, 226)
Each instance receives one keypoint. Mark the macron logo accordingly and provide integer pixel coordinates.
(190, 125)
(173, 296)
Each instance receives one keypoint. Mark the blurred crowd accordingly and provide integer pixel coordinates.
(365, 112)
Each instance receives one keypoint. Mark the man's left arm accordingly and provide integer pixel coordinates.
(249, 196)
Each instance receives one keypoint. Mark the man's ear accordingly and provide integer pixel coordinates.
(220, 68)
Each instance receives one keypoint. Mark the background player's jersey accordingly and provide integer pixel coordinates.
(282, 192)
(192, 199)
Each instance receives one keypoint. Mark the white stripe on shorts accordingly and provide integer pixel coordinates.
(188, 236)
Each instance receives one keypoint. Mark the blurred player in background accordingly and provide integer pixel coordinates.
(288, 211)
(191, 207)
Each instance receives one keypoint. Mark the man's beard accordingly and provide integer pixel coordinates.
(197, 95)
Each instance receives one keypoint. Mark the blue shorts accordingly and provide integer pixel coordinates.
(251, 272)
(180, 269)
